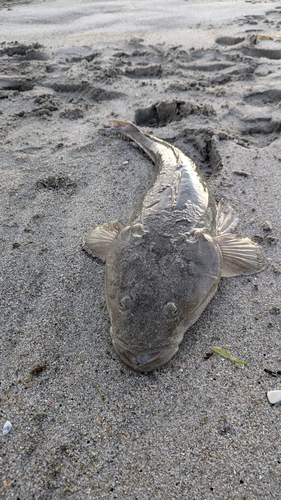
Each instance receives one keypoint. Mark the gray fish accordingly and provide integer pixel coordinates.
(164, 266)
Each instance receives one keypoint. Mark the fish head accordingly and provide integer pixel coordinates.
(156, 288)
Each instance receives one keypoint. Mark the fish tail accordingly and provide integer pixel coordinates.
(128, 129)
(125, 128)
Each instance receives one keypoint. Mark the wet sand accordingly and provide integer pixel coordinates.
(205, 77)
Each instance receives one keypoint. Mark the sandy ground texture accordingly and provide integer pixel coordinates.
(206, 77)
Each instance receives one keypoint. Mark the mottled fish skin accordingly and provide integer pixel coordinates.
(164, 266)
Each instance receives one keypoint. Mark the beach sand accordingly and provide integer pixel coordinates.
(205, 77)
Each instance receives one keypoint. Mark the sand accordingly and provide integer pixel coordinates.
(206, 77)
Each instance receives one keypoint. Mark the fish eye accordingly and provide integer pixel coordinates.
(171, 310)
(125, 303)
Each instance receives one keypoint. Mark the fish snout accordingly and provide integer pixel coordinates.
(145, 361)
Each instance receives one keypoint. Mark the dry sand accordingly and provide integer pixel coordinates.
(205, 76)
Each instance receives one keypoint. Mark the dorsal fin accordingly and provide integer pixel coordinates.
(226, 218)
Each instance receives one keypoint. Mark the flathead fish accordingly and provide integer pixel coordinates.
(164, 266)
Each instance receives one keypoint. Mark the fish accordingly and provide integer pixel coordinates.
(163, 267)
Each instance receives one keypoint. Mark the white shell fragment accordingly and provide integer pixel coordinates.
(274, 396)
(7, 427)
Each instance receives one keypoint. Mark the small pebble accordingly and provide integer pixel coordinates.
(7, 427)
(274, 310)
(274, 396)
(266, 225)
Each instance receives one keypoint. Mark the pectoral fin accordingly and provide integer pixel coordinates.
(97, 241)
(240, 255)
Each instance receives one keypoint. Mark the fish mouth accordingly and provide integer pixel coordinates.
(145, 361)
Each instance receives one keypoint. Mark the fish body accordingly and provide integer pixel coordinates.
(164, 266)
